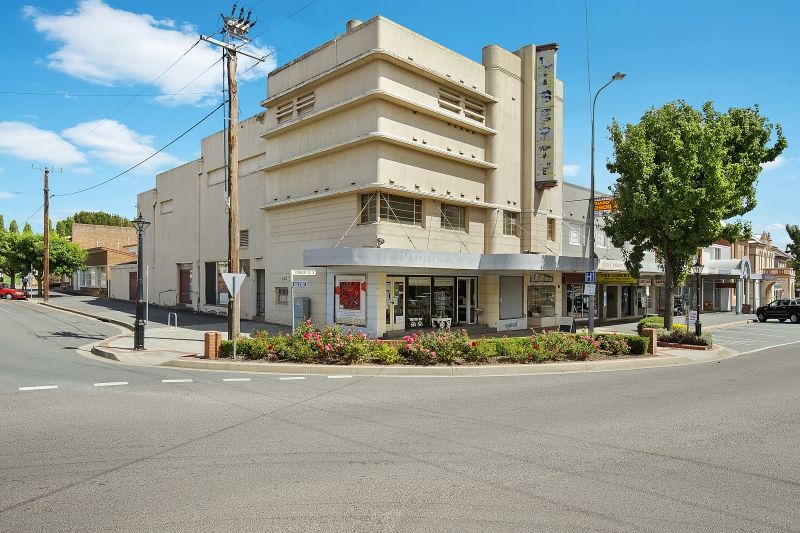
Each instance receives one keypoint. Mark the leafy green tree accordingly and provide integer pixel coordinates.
(13, 228)
(27, 228)
(65, 257)
(2, 224)
(101, 218)
(793, 248)
(682, 173)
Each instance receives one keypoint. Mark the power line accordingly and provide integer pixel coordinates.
(173, 141)
(90, 95)
(126, 104)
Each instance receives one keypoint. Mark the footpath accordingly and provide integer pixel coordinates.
(183, 346)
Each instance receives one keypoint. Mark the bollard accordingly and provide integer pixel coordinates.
(211, 344)
(652, 335)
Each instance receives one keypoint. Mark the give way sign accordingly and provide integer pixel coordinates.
(233, 282)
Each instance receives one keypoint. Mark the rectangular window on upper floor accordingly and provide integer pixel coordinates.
(510, 222)
(285, 111)
(379, 207)
(575, 232)
(453, 217)
(305, 104)
(462, 105)
(551, 229)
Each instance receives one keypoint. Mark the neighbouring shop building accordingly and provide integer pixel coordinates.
(105, 247)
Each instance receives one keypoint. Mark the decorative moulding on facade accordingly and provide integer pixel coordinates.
(399, 258)
(373, 55)
(383, 137)
(385, 187)
(387, 96)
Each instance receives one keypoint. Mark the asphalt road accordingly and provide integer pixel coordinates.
(709, 447)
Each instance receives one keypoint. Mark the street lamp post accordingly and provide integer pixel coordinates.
(697, 268)
(138, 333)
(592, 266)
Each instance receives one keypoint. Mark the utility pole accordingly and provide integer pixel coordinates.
(46, 232)
(236, 29)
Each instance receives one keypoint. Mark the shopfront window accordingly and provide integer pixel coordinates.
(577, 305)
(443, 297)
(541, 301)
(418, 302)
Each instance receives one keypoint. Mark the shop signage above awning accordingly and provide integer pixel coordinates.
(541, 278)
(616, 277)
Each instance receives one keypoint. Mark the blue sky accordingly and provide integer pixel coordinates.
(102, 60)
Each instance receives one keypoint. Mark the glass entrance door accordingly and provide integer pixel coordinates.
(467, 300)
(395, 304)
(260, 292)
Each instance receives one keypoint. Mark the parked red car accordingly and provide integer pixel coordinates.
(8, 293)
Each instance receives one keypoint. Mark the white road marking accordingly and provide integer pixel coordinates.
(40, 387)
(5, 310)
(177, 380)
(111, 384)
(339, 377)
(236, 379)
(291, 377)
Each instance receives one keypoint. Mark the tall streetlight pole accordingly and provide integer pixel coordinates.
(138, 329)
(592, 266)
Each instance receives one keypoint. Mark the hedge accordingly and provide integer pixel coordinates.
(333, 345)
(656, 322)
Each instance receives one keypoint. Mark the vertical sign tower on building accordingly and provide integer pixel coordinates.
(546, 133)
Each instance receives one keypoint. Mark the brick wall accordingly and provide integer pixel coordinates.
(111, 237)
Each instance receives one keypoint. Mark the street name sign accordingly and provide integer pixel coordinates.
(233, 281)
(304, 272)
(300, 284)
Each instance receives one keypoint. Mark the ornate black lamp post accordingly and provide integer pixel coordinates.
(697, 268)
(138, 333)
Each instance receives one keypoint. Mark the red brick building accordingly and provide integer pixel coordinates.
(106, 246)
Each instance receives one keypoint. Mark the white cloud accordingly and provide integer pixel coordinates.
(113, 142)
(33, 144)
(7, 195)
(108, 46)
(571, 170)
(772, 165)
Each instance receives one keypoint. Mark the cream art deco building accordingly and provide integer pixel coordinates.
(421, 186)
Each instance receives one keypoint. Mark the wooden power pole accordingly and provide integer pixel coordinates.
(46, 232)
(235, 29)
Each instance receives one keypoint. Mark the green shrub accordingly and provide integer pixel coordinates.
(650, 322)
(684, 337)
(435, 347)
(226, 348)
(384, 353)
(482, 350)
(638, 345)
(613, 344)
(517, 349)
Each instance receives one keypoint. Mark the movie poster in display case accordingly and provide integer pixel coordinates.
(350, 300)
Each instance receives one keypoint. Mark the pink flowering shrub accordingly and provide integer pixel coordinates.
(435, 347)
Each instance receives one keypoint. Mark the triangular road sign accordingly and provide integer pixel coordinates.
(233, 282)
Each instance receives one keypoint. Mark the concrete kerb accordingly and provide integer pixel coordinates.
(90, 315)
(605, 365)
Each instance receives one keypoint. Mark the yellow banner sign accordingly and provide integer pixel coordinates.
(605, 204)
(616, 277)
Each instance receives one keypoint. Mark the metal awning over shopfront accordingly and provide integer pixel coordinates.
(727, 268)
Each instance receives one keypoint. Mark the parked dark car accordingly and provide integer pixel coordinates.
(783, 310)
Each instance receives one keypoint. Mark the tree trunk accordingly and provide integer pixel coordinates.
(669, 289)
(13, 276)
(39, 283)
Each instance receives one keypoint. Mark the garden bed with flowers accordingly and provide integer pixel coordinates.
(334, 345)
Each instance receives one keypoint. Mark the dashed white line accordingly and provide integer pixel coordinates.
(40, 387)
(236, 379)
(111, 384)
(5, 310)
(339, 377)
(177, 380)
(291, 378)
